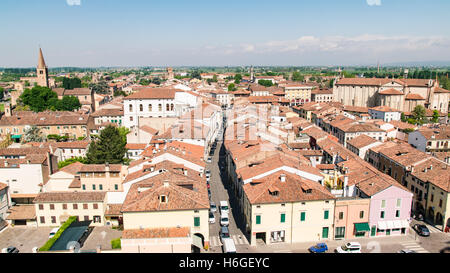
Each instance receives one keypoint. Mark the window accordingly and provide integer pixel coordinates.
(100, 187)
(97, 219)
(150, 108)
(141, 107)
(325, 214)
(171, 107)
(160, 107)
(283, 218)
(85, 206)
(86, 218)
(93, 187)
(131, 108)
(64, 206)
(41, 207)
(383, 203)
(42, 220)
(95, 206)
(116, 187)
(440, 203)
(258, 219)
(52, 206)
(75, 206)
(341, 215)
(361, 214)
(382, 215)
(53, 219)
(302, 216)
(167, 107)
(399, 203)
(397, 213)
(131, 118)
(84, 187)
(432, 197)
(196, 221)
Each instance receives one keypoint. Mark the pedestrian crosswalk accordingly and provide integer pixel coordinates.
(237, 239)
(412, 245)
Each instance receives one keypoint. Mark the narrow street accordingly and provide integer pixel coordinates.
(221, 192)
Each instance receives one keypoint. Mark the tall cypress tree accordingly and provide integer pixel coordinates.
(110, 147)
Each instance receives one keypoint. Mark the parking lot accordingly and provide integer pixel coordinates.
(101, 236)
(24, 238)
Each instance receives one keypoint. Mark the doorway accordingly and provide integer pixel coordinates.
(260, 237)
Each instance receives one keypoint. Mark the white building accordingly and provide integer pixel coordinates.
(384, 113)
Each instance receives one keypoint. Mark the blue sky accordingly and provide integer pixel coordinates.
(211, 32)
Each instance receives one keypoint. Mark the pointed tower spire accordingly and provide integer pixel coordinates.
(41, 62)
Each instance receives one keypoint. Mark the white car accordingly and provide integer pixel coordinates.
(212, 218)
(213, 207)
(224, 208)
(53, 232)
(352, 247)
(224, 220)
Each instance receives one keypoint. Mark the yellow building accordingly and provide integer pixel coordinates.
(284, 208)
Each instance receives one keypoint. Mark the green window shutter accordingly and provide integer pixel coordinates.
(302, 216)
(382, 215)
(258, 219)
(84, 187)
(196, 221)
(283, 218)
(93, 187)
(116, 187)
(325, 214)
(325, 232)
(101, 187)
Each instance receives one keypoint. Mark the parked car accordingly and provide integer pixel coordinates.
(352, 247)
(213, 207)
(209, 193)
(209, 160)
(224, 207)
(212, 218)
(224, 233)
(11, 249)
(406, 251)
(53, 232)
(224, 220)
(422, 230)
(319, 248)
(228, 246)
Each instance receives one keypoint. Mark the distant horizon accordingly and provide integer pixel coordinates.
(136, 33)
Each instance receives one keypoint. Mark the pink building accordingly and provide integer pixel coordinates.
(351, 218)
(390, 206)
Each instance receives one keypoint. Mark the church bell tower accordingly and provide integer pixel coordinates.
(42, 71)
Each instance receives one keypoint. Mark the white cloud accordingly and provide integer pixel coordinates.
(374, 2)
(73, 2)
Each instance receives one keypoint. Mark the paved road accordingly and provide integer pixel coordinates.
(221, 192)
(24, 238)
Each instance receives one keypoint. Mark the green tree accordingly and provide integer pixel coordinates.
(100, 87)
(435, 118)
(38, 98)
(69, 161)
(33, 134)
(231, 87)
(296, 76)
(419, 114)
(237, 78)
(403, 117)
(2, 93)
(266, 83)
(109, 147)
(71, 83)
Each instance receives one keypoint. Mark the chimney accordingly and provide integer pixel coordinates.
(107, 167)
(7, 110)
(157, 146)
(283, 178)
(166, 183)
(6, 163)
(431, 167)
(152, 168)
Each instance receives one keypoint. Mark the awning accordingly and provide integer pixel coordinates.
(362, 227)
(16, 136)
(397, 224)
(382, 225)
(390, 224)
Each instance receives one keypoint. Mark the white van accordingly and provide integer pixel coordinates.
(228, 245)
(224, 207)
(352, 247)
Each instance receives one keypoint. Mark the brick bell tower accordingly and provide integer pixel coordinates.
(42, 71)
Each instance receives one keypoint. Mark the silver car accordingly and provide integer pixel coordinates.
(213, 207)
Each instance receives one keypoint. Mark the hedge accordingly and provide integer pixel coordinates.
(51, 241)
(116, 243)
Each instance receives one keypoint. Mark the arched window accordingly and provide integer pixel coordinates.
(131, 108)
(171, 107)
(141, 107)
(150, 108)
(167, 107)
(160, 107)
